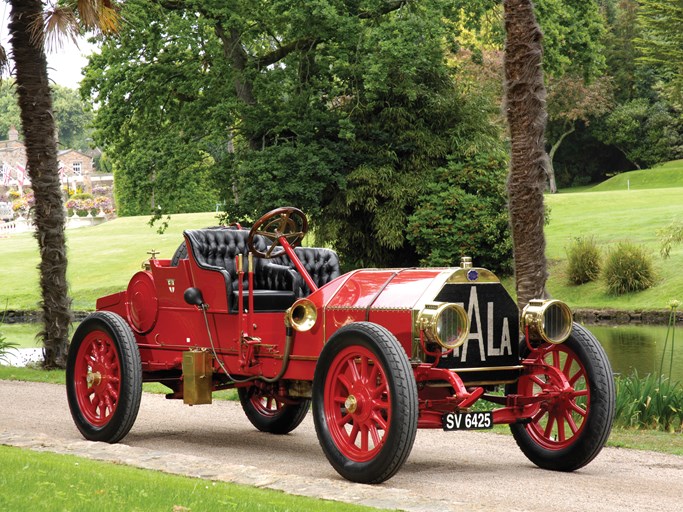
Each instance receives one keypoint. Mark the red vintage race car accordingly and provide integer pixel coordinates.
(379, 352)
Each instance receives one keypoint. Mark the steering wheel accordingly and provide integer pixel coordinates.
(285, 222)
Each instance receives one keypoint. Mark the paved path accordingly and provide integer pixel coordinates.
(462, 472)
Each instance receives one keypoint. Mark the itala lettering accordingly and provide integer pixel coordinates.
(494, 347)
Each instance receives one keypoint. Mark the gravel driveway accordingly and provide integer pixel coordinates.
(445, 471)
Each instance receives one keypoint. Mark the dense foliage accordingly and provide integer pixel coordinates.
(584, 260)
(628, 268)
(363, 112)
(347, 110)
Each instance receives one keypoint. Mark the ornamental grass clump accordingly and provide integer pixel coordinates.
(584, 259)
(649, 402)
(5, 346)
(628, 268)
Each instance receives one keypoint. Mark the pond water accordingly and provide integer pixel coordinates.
(639, 347)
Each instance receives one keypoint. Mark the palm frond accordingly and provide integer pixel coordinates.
(3, 59)
(98, 15)
(60, 23)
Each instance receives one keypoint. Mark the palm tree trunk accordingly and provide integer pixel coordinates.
(35, 103)
(526, 114)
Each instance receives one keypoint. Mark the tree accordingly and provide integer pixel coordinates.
(572, 100)
(662, 43)
(525, 96)
(27, 37)
(72, 116)
(344, 109)
(9, 110)
(646, 133)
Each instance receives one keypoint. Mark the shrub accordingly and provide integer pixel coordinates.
(649, 402)
(462, 212)
(628, 269)
(5, 346)
(584, 260)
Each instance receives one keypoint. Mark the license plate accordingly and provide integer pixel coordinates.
(468, 420)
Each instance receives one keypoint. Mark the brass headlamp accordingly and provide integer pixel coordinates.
(444, 323)
(547, 320)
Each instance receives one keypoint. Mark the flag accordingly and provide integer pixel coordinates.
(4, 173)
(21, 174)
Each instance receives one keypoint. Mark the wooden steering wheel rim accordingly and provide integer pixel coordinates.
(286, 221)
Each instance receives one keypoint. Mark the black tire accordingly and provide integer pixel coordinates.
(179, 254)
(593, 425)
(380, 400)
(104, 367)
(269, 415)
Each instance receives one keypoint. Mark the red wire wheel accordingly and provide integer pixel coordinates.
(570, 427)
(362, 378)
(104, 377)
(268, 414)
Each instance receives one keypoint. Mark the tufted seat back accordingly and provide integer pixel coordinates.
(216, 249)
(219, 247)
(321, 264)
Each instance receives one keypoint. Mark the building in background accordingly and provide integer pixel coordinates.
(76, 169)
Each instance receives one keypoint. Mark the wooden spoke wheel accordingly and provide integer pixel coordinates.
(104, 377)
(268, 414)
(569, 428)
(365, 403)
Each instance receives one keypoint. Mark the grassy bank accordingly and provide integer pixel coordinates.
(611, 214)
(102, 258)
(44, 481)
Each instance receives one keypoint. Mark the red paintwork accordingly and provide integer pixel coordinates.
(252, 344)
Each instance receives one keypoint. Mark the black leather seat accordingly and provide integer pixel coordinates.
(216, 249)
(277, 283)
(321, 264)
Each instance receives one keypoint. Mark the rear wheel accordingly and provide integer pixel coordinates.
(268, 414)
(365, 403)
(104, 377)
(568, 430)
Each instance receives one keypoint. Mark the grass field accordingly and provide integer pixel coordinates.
(31, 481)
(101, 258)
(667, 175)
(613, 216)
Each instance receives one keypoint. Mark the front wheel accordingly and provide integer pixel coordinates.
(365, 404)
(104, 377)
(569, 429)
(268, 414)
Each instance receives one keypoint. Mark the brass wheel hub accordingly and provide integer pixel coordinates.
(93, 379)
(351, 404)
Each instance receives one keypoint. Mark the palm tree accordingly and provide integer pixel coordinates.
(525, 109)
(28, 29)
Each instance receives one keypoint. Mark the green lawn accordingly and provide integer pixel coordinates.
(667, 175)
(101, 258)
(614, 216)
(31, 481)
